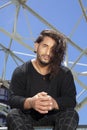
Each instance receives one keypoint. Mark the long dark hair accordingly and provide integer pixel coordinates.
(58, 50)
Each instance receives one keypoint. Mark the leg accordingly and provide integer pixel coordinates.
(17, 120)
(66, 120)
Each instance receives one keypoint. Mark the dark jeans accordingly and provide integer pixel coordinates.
(60, 120)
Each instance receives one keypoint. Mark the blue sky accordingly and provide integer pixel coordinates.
(66, 17)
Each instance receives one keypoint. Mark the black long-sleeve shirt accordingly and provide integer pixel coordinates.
(26, 82)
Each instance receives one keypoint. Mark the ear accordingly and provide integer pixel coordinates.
(36, 47)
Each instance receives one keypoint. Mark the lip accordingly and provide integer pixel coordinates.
(46, 57)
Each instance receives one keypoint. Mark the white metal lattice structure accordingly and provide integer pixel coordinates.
(15, 38)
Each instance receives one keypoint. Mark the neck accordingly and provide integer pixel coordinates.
(42, 69)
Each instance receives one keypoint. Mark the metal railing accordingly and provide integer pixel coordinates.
(80, 127)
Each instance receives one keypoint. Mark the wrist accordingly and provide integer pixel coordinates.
(28, 103)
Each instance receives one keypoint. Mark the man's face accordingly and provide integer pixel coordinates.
(44, 50)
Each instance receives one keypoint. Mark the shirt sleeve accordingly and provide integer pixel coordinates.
(16, 96)
(67, 98)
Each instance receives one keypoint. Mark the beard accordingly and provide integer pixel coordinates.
(43, 62)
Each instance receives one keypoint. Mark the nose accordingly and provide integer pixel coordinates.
(48, 51)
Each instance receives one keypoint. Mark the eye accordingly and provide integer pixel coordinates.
(44, 45)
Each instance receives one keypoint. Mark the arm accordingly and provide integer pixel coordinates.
(17, 89)
(67, 98)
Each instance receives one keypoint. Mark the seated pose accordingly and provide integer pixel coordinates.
(42, 91)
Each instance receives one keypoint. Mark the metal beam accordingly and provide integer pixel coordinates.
(81, 104)
(16, 38)
(83, 10)
(11, 53)
(6, 4)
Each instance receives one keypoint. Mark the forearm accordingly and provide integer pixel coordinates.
(66, 102)
(16, 102)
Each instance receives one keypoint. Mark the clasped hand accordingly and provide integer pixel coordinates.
(42, 102)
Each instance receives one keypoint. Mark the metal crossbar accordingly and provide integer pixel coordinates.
(80, 127)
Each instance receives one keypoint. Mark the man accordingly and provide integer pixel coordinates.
(42, 91)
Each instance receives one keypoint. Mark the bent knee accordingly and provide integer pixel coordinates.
(12, 113)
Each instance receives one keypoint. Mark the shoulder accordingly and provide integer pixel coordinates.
(22, 69)
(65, 71)
(64, 76)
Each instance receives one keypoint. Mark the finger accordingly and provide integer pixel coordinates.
(45, 103)
(45, 106)
(45, 98)
(42, 111)
(42, 94)
(36, 96)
